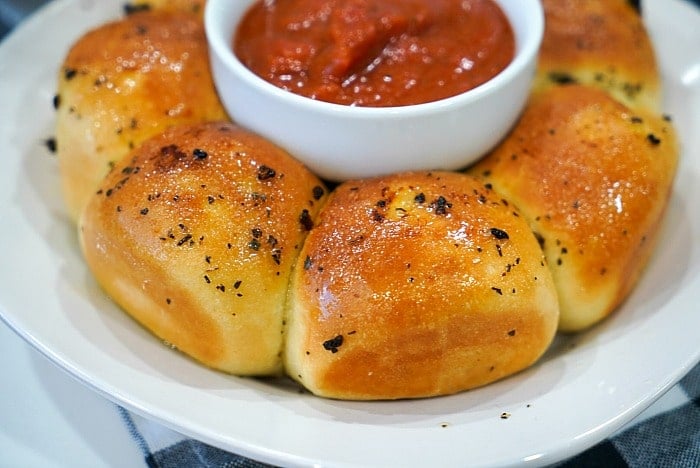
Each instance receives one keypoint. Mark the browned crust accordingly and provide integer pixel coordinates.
(602, 43)
(122, 83)
(593, 178)
(434, 283)
(195, 234)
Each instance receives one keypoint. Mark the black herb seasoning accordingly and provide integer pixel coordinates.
(200, 154)
(499, 234)
(441, 205)
(265, 173)
(318, 192)
(184, 240)
(561, 78)
(333, 344)
(636, 4)
(305, 220)
(131, 8)
(540, 239)
(51, 144)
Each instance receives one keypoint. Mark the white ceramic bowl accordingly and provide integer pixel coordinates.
(342, 142)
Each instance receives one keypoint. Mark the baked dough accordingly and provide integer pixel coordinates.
(194, 234)
(416, 285)
(601, 43)
(122, 83)
(593, 179)
(408, 285)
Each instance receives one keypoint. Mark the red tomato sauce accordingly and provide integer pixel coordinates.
(375, 53)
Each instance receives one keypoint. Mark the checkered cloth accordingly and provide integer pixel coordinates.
(667, 434)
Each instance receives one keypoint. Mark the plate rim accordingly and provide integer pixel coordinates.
(249, 448)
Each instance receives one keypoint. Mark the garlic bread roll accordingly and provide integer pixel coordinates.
(194, 234)
(122, 83)
(416, 285)
(593, 178)
(601, 43)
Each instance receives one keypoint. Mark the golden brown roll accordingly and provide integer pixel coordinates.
(601, 43)
(593, 179)
(195, 233)
(122, 83)
(416, 285)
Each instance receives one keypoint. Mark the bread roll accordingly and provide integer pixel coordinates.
(122, 83)
(195, 233)
(593, 179)
(416, 285)
(601, 43)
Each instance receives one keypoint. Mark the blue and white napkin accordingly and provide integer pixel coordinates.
(667, 434)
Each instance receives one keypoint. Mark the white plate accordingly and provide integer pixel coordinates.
(585, 388)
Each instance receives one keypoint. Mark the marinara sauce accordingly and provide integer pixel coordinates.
(375, 52)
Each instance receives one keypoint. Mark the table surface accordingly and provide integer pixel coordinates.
(48, 418)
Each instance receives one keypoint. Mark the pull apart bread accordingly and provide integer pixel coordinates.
(122, 83)
(590, 163)
(416, 285)
(195, 234)
(402, 286)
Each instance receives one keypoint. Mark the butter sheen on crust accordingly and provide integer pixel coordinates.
(408, 285)
(600, 43)
(593, 178)
(194, 234)
(416, 285)
(122, 83)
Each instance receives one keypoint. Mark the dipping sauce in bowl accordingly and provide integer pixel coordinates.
(346, 141)
(375, 53)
